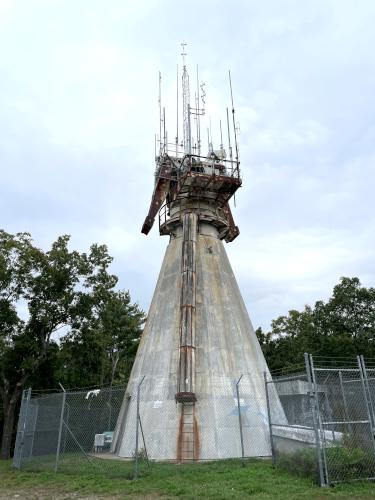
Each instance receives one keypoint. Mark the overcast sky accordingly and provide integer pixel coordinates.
(78, 113)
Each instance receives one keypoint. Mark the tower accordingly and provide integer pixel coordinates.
(198, 338)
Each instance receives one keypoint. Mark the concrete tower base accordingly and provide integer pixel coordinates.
(225, 347)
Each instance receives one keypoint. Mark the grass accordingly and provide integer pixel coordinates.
(214, 480)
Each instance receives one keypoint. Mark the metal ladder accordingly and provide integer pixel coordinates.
(187, 432)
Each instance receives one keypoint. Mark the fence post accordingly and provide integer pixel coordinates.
(371, 406)
(60, 428)
(144, 442)
(269, 418)
(34, 422)
(240, 420)
(319, 419)
(135, 474)
(361, 370)
(26, 393)
(314, 418)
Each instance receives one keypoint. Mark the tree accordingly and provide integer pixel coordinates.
(102, 352)
(346, 323)
(41, 293)
(344, 326)
(119, 328)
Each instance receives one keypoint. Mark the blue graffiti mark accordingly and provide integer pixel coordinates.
(243, 409)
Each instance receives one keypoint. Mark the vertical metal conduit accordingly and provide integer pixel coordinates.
(185, 385)
(188, 440)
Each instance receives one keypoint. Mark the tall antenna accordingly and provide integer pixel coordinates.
(183, 53)
(234, 123)
(160, 117)
(198, 117)
(211, 142)
(186, 104)
(165, 144)
(197, 112)
(177, 113)
(229, 144)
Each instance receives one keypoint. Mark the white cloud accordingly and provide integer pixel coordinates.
(78, 112)
(294, 256)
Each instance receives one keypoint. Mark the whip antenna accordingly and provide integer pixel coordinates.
(234, 123)
(177, 114)
(160, 116)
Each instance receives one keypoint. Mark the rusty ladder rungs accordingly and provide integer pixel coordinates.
(187, 432)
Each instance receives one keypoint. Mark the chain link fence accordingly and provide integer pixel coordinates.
(70, 432)
(230, 423)
(317, 422)
(330, 431)
(119, 432)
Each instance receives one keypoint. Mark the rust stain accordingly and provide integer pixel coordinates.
(179, 439)
(188, 442)
(160, 194)
(196, 439)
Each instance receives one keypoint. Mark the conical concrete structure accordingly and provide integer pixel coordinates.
(198, 339)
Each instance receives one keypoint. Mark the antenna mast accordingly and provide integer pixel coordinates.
(177, 114)
(186, 103)
(160, 116)
(229, 144)
(198, 116)
(234, 123)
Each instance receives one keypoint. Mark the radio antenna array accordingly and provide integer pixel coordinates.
(186, 147)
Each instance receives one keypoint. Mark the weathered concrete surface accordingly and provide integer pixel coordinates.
(225, 347)
(289, 439)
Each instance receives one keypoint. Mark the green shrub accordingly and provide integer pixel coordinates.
(142, 454)
(349, 463)
(303, 463)
(343, 463)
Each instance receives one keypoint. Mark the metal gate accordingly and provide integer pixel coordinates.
(329, 426)
(346, 416)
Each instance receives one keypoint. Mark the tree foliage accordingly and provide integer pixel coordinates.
(344, 326)
(42, 293)
(102, 352)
